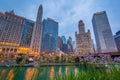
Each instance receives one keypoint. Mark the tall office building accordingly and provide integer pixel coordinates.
(59, 42)
(70, 45)
(49, 36)
(37, 33)
(11, 27)
(64, 45)
(27, 33)
(103, 34)
(26, 36)
(15, 33)
(117, 40)
(83, 40)
(63, 40)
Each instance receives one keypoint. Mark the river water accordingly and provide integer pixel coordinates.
(45, 72)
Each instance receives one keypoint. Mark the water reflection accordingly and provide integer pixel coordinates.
(10, 75)
(2, 72)
(30, 73)
(6, 74)
(60, 71)
(51, 75)
(76, 71)
(66, 71)
(46, 72)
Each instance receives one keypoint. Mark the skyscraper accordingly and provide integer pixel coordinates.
(83, 40)
(59, 42)
(64, 45)
(103, 34)
(15, 33)
(26, 37)
(70, 45)
(49, 36)
(37, 33)
(11, 27)
(63, 40)
(117, 40)
(27, 33)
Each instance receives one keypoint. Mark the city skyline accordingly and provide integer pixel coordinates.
(70, 12)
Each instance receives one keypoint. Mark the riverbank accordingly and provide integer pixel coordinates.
(53, 64)
(46, 64)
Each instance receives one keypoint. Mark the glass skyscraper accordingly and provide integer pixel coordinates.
(117, 40)
(103, 34)
(49, 36)
(64, 45)
(27, 33)
(63, 40)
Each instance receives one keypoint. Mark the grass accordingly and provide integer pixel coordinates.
(93, 73)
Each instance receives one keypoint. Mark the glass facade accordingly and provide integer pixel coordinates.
(117, 40)
(65, 48)
(63, 40)
(70, 46)
(64, 45)
(103, 33)
(49, 36)
(27, 33)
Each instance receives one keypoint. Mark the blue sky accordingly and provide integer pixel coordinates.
(67, 12)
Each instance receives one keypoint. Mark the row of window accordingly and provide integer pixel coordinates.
(8, 50)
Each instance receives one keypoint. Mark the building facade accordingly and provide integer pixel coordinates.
(27, 33)
(11, 27)
(15, 33)
(35, 46)
(83, 40)
(49, 36)
(70, 45)
(64, 44)
(26, 36)
(103, 34)
(59, 43)
(117, 40)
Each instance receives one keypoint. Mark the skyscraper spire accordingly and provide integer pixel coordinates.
(39, 14)
(37, 33)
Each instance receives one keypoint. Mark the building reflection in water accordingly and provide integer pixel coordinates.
(60, 71)
(30, 73)
(52, 73)
(45, 73)
(66, 70)
(76, 71)
(10, 75)
(2, 72)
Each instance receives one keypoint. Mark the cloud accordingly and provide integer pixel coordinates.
(68, 13)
